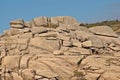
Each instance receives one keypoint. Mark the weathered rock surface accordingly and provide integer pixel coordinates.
(103, 30)
(38, 30)
(58, 48)
(17, 24)
(40, 21)
(49, 45)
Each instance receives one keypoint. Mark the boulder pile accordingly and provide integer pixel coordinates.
(58, 48)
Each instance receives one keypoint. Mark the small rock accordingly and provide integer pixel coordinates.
(58, 52)
(27, 74)
(51, 38)
(44, 79)
(38, 77)
(81, 51)
(87, 44)
(76, 43)
(114, 47)
(16, 76)
(67, 43)
(64, 48)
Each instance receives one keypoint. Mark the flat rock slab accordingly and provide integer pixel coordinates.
(49, 45)
(103, 30)
(17, 23)
(96, 41)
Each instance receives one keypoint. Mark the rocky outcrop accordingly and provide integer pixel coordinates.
(58, 48)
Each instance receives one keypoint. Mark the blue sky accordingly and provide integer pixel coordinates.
(83, 10)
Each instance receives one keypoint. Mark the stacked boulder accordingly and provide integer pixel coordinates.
(58, 48)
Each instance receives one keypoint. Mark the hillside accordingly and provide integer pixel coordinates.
(59, 48)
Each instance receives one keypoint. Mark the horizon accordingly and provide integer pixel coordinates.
(84, 11)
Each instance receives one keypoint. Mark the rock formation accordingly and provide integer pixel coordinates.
(58, 48)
